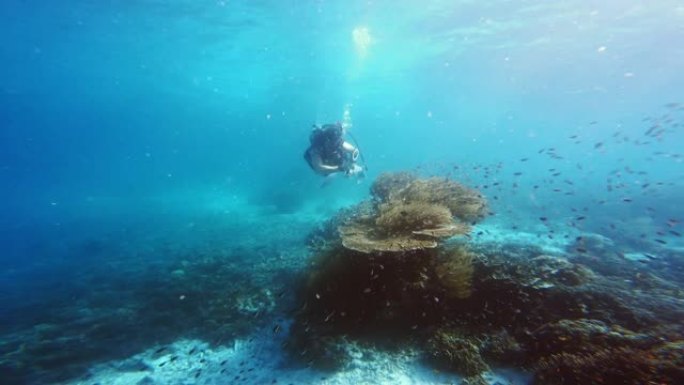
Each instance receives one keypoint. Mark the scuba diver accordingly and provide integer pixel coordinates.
(329, 153)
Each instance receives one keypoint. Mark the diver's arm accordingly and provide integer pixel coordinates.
(348, 147)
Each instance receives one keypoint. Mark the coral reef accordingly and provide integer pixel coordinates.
(255, 303)
(385, 274)
(388, 256)
(392, 272)
(361, 237)
(454, 271)
(464, 203)
(100, 309)
(325, 353)
(355, 293)
(457, 352)
(567, 322)
(589, 351)
(609, 366)
(501, 346)
(409, 213)
(405, 218)
(386, 185)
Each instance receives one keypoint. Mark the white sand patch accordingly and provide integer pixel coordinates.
(556, 244)
(260, 360)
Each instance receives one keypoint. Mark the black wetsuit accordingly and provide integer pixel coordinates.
(326, 142)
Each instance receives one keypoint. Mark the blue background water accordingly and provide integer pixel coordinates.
(128, 118)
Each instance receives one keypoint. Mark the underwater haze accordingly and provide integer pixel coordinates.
(160, 225)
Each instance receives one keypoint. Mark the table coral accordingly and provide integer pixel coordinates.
(409, 213)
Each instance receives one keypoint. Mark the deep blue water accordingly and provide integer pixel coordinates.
(128, 125)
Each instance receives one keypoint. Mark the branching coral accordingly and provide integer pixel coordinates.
(503, 347)
(591, 351)
(457, 353)
(609, 365)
